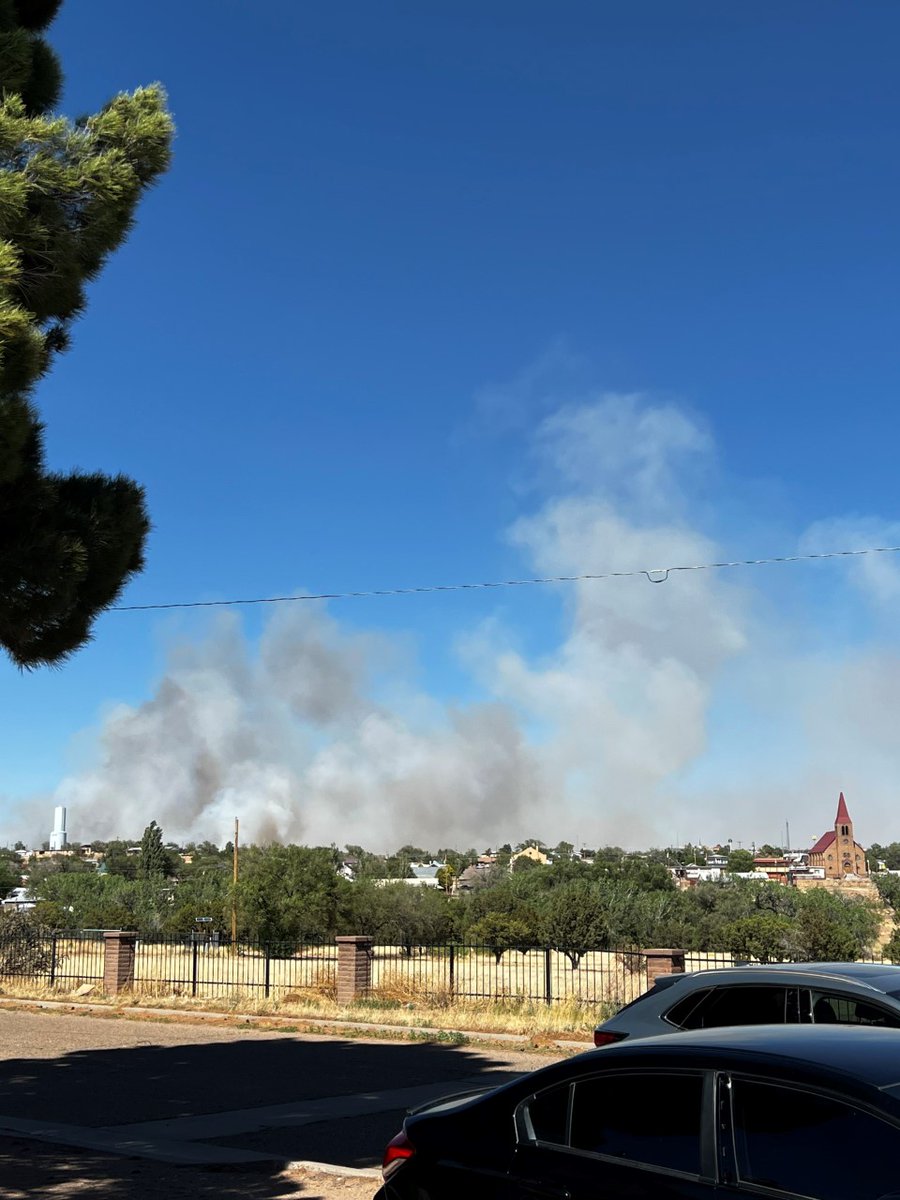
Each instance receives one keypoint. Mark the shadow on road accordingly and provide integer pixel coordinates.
(36, 1170)
(106, 1088)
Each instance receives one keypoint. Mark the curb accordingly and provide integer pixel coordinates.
(186, 1016)
(333, 1169)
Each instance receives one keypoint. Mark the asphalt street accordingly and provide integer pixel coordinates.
(225, 1097)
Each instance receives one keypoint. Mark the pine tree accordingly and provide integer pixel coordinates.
(68, 191)
(154, 860)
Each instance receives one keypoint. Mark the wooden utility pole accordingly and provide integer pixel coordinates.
(234, 876)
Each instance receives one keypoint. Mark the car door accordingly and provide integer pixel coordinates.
(792, 1141)
(619, 1135)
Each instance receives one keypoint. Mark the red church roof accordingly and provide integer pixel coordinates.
(843, 817)
(824, 842)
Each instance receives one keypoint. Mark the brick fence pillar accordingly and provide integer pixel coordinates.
(663, 962)
(118, 960)
(354, 967)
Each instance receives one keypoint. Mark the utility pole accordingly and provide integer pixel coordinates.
(234, 876)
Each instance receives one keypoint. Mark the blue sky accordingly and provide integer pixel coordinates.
(396, 242)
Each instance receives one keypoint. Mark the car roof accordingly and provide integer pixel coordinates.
(868, 1054)
(883, 977)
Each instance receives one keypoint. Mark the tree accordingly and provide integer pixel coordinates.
(25, 946)
(290, 894)
(400, 915)
(154, 859)
(574, 920)
(68, 191)
(763, 936)
(446, 877)
(499, 933)
(740, 860)
(889, 890)
(832, 928)
(889, 855)
(10, 871)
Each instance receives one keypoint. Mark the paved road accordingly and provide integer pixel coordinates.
(181, 1093)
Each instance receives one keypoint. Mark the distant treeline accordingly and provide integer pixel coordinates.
(290, 894)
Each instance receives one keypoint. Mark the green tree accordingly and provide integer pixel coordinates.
(740, 860)
(290, 893)
(524, 864)
(10, 871)
(446, 877)
(689, 853)
(25, 946)
(574, 920)
(154, 860)
(499, 932)
(832, 928)
(889, 855)
(398, 914)
(763, 936)
(889, 890)
(68, 193)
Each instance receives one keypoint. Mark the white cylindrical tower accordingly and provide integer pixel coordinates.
(58, 837)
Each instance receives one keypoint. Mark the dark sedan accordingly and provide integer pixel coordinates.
(780, 1111)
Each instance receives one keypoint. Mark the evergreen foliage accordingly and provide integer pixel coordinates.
(68, 192)
(154, 859)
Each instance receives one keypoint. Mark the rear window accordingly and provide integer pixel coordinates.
(680, 1014)
(833, 1008)
(750, 1004)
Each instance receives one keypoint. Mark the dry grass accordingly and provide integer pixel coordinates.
(529, 1019)
(407, 990)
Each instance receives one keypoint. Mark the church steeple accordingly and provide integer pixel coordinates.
(843, 817)
(847, 851)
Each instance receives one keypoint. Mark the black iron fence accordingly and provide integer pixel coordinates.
(195, 966)
(444, 974)
(58, 960)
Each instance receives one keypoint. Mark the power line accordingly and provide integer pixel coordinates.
(652, 574)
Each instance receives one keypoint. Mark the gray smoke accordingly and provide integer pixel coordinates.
(604, 736)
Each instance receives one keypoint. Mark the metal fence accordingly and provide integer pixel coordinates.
(197, 967)
(444, 974)
(61, 960)
(536, 975)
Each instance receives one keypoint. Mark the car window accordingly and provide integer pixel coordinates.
(748, 1004)
(680, 1014)
(787, 1139)
(546, 1116)
(832, 1008)
(648, 1118)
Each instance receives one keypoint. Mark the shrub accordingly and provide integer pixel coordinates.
(25, 945)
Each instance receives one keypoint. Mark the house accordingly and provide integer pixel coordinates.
(779, 869)
(469, 878)
(18, 900)
(428, 870)
(532, 852)
(836, 851)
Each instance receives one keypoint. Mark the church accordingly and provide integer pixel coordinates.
(836, 850)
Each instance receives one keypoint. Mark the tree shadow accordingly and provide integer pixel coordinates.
(308, 1084)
